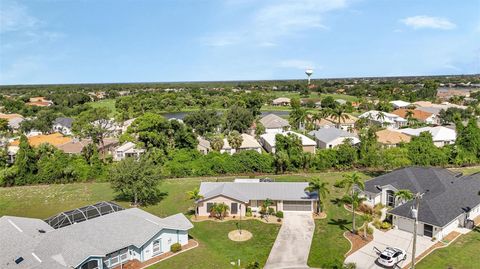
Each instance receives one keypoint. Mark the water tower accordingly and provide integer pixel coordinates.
(309, 73)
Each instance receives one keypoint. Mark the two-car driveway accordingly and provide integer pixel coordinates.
(292, 246)
(365, 257)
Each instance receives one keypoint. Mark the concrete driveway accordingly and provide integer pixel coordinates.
(365, 257)
(292, 245)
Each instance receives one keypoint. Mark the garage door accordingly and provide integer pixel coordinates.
(404, 224)
(297, 206)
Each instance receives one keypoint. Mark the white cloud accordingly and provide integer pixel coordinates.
(15, 17)
(296, 64)
(277, 19)
(422, 21)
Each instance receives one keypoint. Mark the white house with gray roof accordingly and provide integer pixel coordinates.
(330, 137)
(286, 196)
(63, 125)
(269, 141)
(101, 242)
(274, 124)
(450, 199)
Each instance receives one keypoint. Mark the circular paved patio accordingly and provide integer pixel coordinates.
(239, 236)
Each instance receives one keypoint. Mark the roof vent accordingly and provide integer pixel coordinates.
(19, 260)
(42, 231)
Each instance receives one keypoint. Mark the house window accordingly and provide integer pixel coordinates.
(156, 246)
(209, 206)
(428, 230)
(234, 208)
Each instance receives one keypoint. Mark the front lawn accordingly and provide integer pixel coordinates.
(462, 253)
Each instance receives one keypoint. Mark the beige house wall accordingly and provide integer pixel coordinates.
(310, 149)
(202, 206)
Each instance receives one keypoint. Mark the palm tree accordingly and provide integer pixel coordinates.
(321, 188)
(298, 117)
(195, 195)
(219, 210)
(367, 217)
(339, 115)
(266, 204)
(381, 116)
(354, 200)
(217, 143)
(352, 180)
(404, 195)
(235, 140)
(409, 116)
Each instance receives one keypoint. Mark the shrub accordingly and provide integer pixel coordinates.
(271, 211)
(279, 214)
(364, 208)
(249, 212)
(253, 265)
(385, 225)
(377, 223)
(176, 247)
(279, 220)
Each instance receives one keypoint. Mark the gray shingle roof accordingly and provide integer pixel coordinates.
(69, 246)
(66, 122)
(272, 121)
(329, 134)
(241, 191)
(447, 194)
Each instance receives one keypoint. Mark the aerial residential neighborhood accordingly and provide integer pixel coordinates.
(276, 134)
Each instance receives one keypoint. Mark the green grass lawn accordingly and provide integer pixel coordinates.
(215, 250)
(108, 103)
(462, 253)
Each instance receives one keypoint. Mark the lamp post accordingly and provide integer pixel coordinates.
(417, 198)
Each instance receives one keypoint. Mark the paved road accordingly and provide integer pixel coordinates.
(365, 257)
(292, 246)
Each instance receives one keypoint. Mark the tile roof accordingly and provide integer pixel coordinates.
(390, 137)
(55, 139)
(417, 114)
(272, 121)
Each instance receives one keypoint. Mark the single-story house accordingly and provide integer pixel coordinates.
(400, 104)
(63, 125)
(248, 143)
(274, 124)
(420, 115)
(441, 135)
(99, 236)
(384, 119)
(327, 138)
(76, 146)
(281, 101)
(436, 108)
(347, 124)
(269, 140)
(14, 120)
(390, 139)
(449, 199)
(286, 196)
(127, 149)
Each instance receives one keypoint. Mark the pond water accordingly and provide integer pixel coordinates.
(181, 115)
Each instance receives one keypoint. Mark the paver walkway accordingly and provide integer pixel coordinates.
(292, 246)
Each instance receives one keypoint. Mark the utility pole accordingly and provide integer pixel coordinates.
(418, 197)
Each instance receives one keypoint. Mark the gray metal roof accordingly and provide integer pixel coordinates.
(329, 134)
(246, 191)
(66, 122)
(272, 121)
(67, 247)
(447, 194)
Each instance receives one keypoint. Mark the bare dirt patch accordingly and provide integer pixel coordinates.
(357, 241)
(239, 235)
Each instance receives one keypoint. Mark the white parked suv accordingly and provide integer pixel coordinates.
(391, 256)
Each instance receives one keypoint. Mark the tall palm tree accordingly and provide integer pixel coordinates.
(338, 114)
(217, 143)
(409, 116)
(195, 195)
(235, 140)
(404, 195)
(354, 200)
(321, 188)
(352, 180)
(381, 116)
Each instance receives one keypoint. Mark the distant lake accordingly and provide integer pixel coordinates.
(181, 115)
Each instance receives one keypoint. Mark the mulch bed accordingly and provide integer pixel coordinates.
(357, 241)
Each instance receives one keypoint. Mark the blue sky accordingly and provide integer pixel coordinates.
(55, 41)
